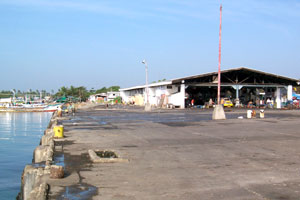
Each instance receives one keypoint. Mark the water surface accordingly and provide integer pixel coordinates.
(20, 134)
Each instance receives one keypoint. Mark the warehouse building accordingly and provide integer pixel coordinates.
(241, 85)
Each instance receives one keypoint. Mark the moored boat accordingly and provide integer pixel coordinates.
(30, 108)
(52, 108)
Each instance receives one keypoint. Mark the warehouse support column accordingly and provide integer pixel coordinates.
(290, 93)
(278, 98)
(182, 96)
(237, 99)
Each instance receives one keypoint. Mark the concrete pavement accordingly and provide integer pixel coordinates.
(179, 154)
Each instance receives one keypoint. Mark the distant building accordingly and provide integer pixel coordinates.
(112, 95)
(6, 100)
(103, 97)
(98, 97)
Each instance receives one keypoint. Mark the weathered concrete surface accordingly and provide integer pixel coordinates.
(218, 113)
(56, 171)
(33, 184)
(180, 154)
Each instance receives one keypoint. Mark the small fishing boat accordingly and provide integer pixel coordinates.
(51, 108)
(30, 108)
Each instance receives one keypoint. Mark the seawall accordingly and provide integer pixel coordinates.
(34, 177)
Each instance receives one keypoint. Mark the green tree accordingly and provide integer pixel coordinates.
(83, 94)
(102, 90)
(113, 89)
(78, 92)
(63, 91)
(73, 91)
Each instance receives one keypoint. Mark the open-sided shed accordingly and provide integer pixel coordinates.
(241, 85)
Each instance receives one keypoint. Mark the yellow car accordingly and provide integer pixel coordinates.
(227, 102)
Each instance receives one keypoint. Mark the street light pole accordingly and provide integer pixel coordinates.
(147, 89)
(147, 106)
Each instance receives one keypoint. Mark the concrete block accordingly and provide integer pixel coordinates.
(40, 192)
(49, 154)
(31, 180)
(40, 154)
(218, 113)
(46, 139)
(43, 153)
(147, 107)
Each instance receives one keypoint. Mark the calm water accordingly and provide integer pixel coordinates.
(20, 133)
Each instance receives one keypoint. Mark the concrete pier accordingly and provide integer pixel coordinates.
(178, 154)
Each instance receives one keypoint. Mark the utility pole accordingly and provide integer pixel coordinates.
(219, 68)
(218, 112)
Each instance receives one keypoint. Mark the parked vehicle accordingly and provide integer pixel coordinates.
(227, 102)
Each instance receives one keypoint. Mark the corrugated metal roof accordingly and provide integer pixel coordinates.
(177, 80)
(150, 85)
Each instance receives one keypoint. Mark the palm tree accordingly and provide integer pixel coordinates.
(82, 93)
(63, 91)
(73, 90)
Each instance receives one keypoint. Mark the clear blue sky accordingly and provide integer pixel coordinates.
(46, 44)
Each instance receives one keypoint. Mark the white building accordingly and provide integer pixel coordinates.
(109, 96)
(160, 94)
(6, 100)
(112, 95)
(98, 97)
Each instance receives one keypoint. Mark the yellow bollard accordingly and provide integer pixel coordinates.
(58, 131)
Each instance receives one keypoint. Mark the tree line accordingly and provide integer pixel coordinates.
(81, 92)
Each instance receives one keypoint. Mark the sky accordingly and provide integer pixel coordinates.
(47, 44)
